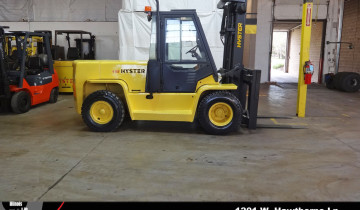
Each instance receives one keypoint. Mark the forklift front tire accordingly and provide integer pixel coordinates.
(103, 111)
(21, 102)
(54, 95)
(220, 113)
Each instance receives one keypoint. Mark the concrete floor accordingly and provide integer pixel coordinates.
(49, 154)
(278, 75)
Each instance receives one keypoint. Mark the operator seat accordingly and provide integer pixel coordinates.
(37, 63)
(44, 60)
(73, 53)
(34, 65)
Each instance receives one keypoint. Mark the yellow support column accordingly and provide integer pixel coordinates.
(304, 55)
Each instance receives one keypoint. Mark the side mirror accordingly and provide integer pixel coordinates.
(149, 17)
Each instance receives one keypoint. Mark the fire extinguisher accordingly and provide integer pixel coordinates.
(308, 71)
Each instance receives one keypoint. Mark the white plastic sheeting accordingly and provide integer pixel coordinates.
(166, 5)
(59, 10)
(135, 30)
(15, 10)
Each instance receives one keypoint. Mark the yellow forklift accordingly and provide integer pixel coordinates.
(84, 49)
(180, 82)
(35, 45)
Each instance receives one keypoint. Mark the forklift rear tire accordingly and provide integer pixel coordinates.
(220, 113)
(54, 95)
(21, 102)
(103, 111)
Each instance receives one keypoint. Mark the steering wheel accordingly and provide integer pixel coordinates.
(193, 50)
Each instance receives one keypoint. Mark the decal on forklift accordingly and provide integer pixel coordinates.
(65, 81)
(129, 71)
(240, 35)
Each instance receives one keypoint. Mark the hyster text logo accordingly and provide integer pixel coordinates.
(130, 71)
(240, 35)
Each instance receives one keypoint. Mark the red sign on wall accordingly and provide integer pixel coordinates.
(308, 15)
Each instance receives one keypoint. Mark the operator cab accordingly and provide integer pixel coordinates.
(180, 55)
(183, 56)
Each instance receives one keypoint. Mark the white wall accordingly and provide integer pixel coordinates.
(107, 39)
(263, 38)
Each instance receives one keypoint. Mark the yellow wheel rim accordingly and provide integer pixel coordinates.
(221, 114)
(101, 112)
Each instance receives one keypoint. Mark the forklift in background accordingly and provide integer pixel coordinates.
(180, 81)
(26, 80)
(84, 49)
(40, 42)
(35, 45)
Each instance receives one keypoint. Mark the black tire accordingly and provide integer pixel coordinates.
(350, 82)
(21, 102)
(219, 97)
(54, 95)
(112, 100)
(338, 78)
(329, 80)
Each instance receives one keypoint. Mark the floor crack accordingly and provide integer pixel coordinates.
(356, 150)
(63, 176)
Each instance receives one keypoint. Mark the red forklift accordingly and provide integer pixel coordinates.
(26, 80)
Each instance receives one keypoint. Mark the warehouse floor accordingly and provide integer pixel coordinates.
(49, 154)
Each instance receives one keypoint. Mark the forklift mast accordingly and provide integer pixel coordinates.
(233, 31)
(4, 83)
(233, 71)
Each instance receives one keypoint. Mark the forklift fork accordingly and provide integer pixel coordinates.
(249, 91)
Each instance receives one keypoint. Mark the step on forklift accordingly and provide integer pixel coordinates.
(80, 46)
(180, 81)
(26, 80)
